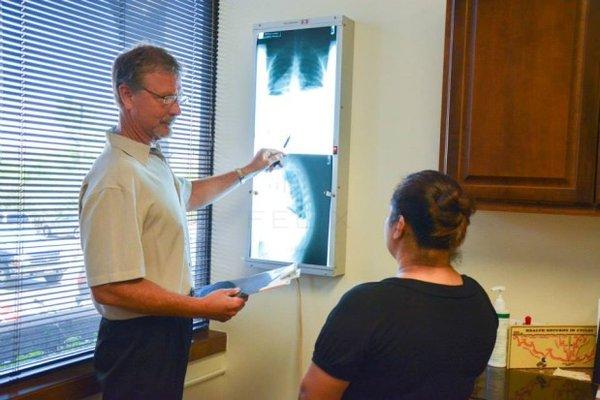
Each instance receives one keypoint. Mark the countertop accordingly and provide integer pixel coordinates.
(531, 384)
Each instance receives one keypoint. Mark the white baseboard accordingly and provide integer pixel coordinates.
(205, 377)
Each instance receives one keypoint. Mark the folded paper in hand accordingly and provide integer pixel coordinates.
(255, 283)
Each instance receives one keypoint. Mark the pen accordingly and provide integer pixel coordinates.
(278, 163)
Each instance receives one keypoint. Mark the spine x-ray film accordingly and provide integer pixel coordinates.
(298, 101)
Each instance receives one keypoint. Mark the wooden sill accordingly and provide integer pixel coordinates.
(78, 381)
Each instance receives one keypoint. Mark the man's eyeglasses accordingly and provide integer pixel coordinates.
(181, 99)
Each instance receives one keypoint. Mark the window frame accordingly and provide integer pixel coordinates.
(78, 380)
(28, 376)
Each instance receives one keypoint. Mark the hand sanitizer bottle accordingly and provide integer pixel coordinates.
(498, 357)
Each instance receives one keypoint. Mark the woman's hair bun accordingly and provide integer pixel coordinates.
(436, 208)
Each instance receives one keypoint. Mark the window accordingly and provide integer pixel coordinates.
(56, 103)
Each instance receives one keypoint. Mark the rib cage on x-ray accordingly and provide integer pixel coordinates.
(301, 53)
(295, 89)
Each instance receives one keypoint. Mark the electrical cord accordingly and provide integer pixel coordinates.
(300, 345)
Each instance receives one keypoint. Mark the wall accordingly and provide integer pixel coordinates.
(549, 263)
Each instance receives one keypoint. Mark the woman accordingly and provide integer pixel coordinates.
(426, 333)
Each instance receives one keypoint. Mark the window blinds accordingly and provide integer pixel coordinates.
(56, 103)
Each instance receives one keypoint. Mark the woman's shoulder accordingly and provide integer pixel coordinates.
(366, 294)
(472, 283)
(366, 288)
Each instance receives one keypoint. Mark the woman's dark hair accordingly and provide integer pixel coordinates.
(435, 207)
(130, 66)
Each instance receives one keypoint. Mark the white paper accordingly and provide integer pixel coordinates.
(582, 376)
(256, 283)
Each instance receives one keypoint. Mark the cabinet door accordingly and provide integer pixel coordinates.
(521, 98)
(598, 167)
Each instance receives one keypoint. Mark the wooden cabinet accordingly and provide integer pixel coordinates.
(521, 100)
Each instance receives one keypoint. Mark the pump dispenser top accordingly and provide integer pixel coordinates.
(499, 304)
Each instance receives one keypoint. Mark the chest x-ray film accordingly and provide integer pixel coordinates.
(298, 102)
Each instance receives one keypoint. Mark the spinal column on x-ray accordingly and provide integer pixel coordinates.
(290, 211)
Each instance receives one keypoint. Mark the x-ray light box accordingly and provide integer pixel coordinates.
(303, 85)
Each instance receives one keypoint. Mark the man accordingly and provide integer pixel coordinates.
(135, 240)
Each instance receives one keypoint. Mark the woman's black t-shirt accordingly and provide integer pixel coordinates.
(408, 339)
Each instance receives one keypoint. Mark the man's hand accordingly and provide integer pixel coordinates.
(222, 304)
(264, 159)
(146, 297)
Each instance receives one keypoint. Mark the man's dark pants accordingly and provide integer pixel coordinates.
(143, 358)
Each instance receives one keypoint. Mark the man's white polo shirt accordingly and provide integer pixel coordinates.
(132, 214)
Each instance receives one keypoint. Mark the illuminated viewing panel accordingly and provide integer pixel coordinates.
(298, 97)
(295, 89)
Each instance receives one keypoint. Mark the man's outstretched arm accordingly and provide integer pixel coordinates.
(208, 190)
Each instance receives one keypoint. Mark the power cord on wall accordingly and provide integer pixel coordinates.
(300, 345)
